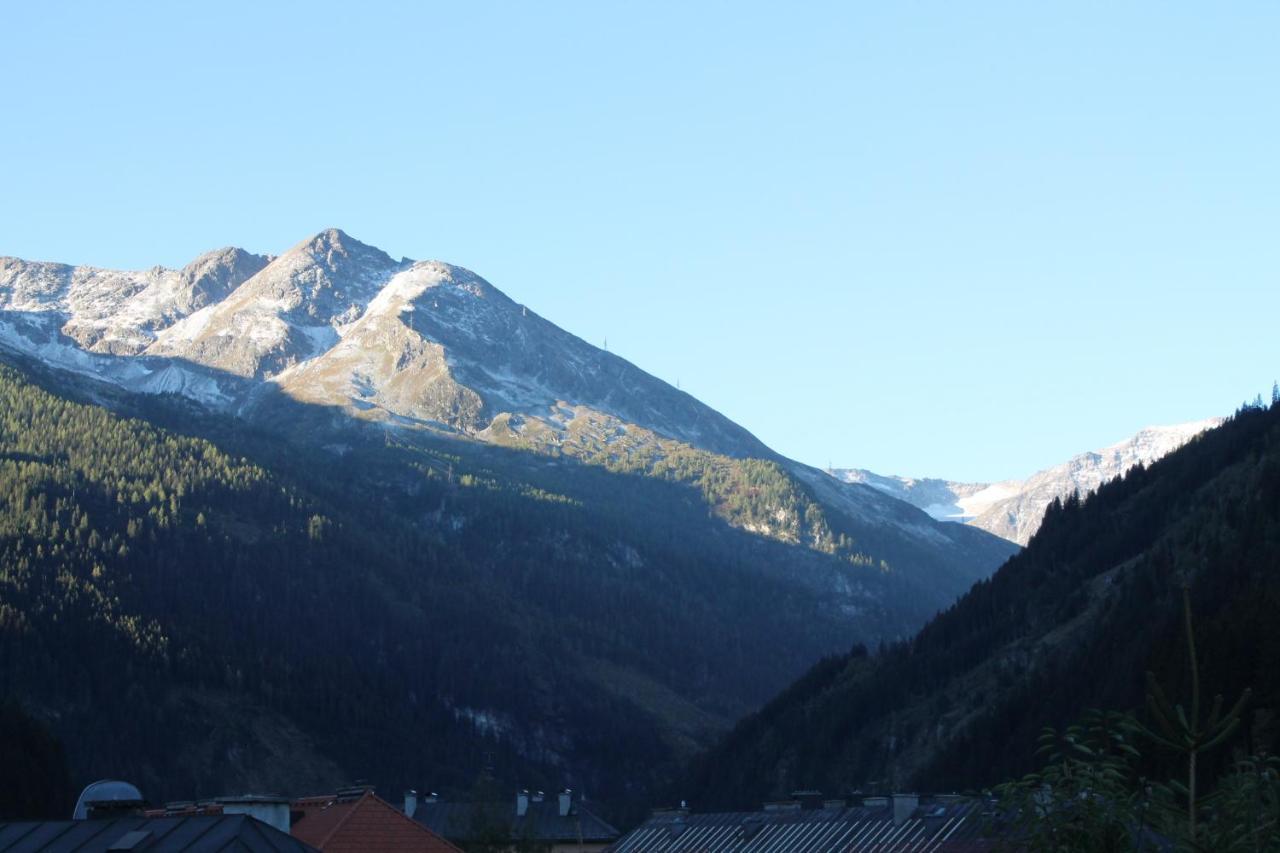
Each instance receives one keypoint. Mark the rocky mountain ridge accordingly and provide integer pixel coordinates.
(320, 321)
(425, 348)
(1013, 509)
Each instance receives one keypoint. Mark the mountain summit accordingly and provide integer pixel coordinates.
(339, 322)
(429, 350)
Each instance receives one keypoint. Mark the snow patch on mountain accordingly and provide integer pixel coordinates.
(121, 312)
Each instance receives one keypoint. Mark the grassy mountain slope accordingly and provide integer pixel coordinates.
(1070, 623)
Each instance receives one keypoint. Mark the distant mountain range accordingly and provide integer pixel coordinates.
(385, 522)
(1013, 509)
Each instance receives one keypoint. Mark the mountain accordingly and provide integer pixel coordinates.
(336, 322)
(1012, 509)
(240, 613)
(288, 521)
(335, 334)
(1070, 623)
(110, 312)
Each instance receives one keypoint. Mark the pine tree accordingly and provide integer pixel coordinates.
(1182, 732)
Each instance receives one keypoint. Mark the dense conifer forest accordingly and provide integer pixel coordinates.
(200, 607)
(1071, 623)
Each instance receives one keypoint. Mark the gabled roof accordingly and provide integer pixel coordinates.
(195, 833)
(365, 823)
(930, 828)
(541, 822)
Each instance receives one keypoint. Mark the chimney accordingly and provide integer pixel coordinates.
(431, 798)
(273, 811)
(566, 799)
(410, 802)
(904, 805)
(522, 803)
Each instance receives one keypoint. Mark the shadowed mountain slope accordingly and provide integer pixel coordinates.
(1070, 623)
(425, 350)
(195, 604)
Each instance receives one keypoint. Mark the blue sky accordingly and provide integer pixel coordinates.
(950, 239)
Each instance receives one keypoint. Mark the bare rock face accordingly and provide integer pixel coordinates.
(383, 367)
(289, 311)
(121, 312)
(211, 277)
(335, 322)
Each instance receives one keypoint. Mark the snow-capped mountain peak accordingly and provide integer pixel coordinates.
(334, 336)
(338, 322)
(121, 312)
(1013, 509)
(290, 310)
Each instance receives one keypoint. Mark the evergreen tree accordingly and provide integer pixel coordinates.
(34, 780)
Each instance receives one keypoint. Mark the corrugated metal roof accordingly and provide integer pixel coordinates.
(930, 828)
(195, 833)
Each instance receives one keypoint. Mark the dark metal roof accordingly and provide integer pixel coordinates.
(542, 821)
(929, 828)
(196, 833)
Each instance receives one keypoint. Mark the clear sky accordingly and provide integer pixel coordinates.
(948, 239)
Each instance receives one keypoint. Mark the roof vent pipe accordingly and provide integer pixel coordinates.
(410, 802)
(904, 806)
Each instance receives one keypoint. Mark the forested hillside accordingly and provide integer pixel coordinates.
(1069, 624)
(232, 612)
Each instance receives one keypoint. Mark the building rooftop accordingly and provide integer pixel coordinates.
(903, 824)
(542, 820)
(194, 833)
(346, 825)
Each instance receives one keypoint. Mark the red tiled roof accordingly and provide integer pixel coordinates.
(367, 823)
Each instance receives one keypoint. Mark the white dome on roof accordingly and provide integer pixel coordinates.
(104, 790)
